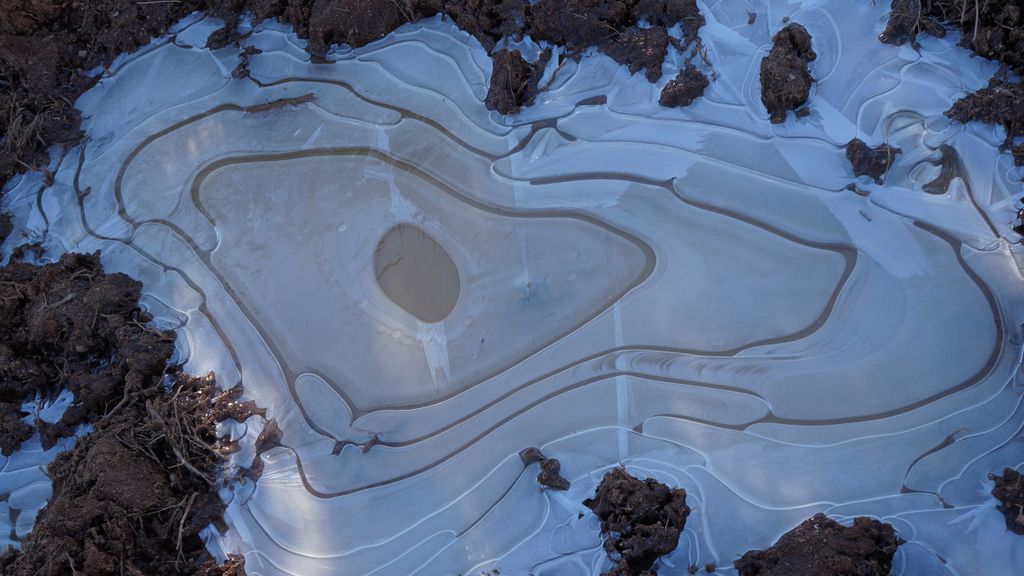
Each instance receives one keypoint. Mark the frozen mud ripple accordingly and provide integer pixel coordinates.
(418, 289)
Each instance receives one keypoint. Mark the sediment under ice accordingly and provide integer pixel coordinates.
(693, 293)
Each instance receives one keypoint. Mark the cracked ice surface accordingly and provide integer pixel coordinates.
(692, 293)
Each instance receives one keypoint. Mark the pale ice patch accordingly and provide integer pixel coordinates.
(692, 293)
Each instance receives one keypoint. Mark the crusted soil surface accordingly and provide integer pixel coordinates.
(640, 519)
(785, 78)
(131, 496)
(821, 545)
(46, 46)
(868, 161)
(1009, 490)
(686, 87)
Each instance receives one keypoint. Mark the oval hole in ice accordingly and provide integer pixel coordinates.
(417, 273)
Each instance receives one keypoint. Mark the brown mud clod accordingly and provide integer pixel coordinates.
(785, 77)
(868, 161)
(821, 545)
(686, 87)
(1009, 490)
(132, 496)
(641, 520)
(550, 469)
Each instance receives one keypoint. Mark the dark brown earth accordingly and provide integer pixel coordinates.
(640, 519)
(550, 469)
(514, 81)
(686, 87)
(5, 227)
(1001, 102)
(785, 78)
(1009, 490)
(131, 496)
(47, 45)
(907, 18)
(821, 545)
(868, 161)
(993, 29)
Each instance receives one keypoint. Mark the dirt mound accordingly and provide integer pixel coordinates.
(686, 87)
(1001, 102)
(5, 227)
(821, 545)
(132, 496)
(514, 81)
(641, 520)
(1009, 490)
(868, 161)
(785, 78)
(907, 19)
(70, 326)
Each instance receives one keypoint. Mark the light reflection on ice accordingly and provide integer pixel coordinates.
(693, 293)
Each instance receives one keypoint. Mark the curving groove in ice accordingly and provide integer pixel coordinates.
(692, 293)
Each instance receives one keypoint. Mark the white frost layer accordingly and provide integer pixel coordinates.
(692, 293)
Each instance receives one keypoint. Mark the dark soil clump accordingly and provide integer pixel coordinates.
(641, 520)
(686, 87)
(785, 78)
(513, 82)
(821, 545)
(550, 469)
(70, 326)
(131, 496)
(868, 161)
(907, 18)
(1001, 102)
(1009, 490)
(5, 227)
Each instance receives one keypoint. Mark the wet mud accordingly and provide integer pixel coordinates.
(132, 495)
(821, 545)
(868, 161)
(641, 520)
(785, 77)
(1009, 490)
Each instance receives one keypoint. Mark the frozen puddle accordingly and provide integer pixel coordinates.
(418, 289)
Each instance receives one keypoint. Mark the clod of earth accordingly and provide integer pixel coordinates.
(686, 87)
(132, 496)
(5, 227)
(785, 78)
(1009, 490)
(868, 161)
(821, 545)
(906, 20)
(550, 469)
(640, 519)
(1002, 103)
(513, 81)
